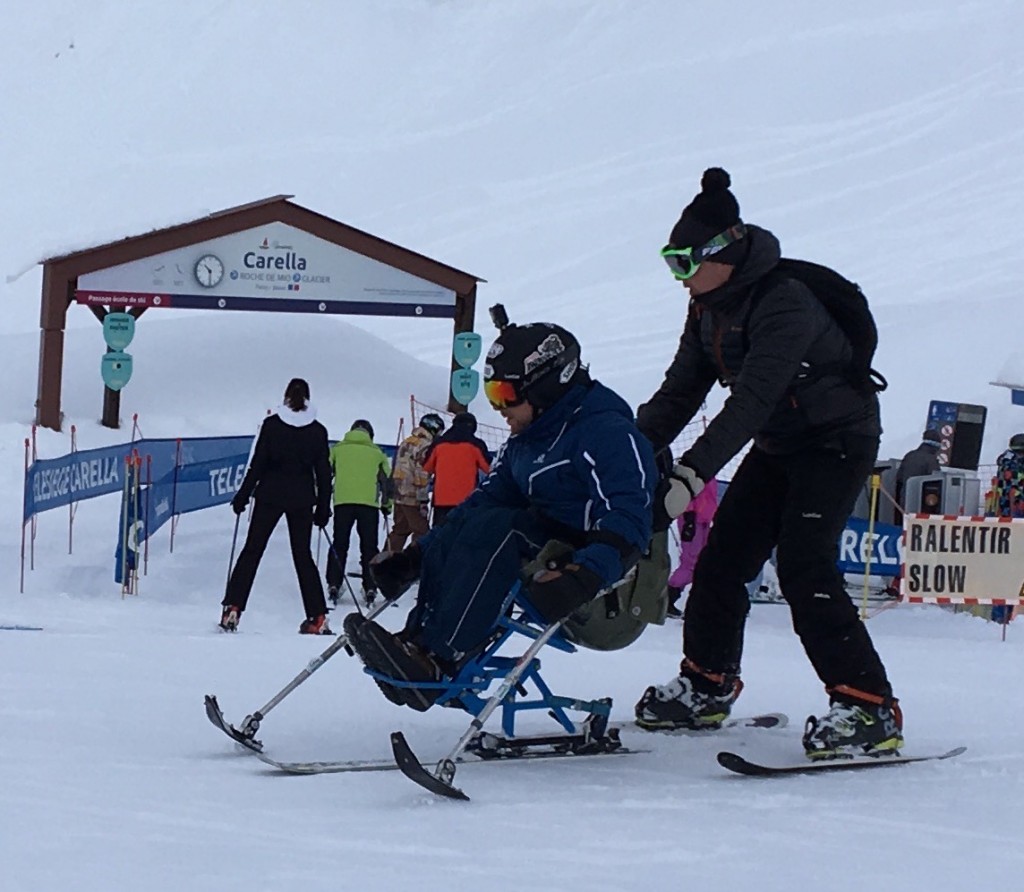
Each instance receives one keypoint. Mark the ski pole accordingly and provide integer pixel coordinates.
(251, 725)
(231, 560)
(344, 575)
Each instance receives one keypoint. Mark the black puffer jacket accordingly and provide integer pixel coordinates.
(289, 466)
(763, 340)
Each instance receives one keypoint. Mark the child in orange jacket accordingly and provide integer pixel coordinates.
(455, 460)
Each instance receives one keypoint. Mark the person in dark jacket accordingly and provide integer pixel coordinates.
(575, 469)
(815, 438)
(288, 475)
(455, 460)
(921, 461)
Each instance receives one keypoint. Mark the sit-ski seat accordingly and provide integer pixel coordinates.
(468, 688)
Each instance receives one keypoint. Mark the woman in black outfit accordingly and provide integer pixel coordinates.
(289, 474)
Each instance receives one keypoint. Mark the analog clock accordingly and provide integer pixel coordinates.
(209, 270)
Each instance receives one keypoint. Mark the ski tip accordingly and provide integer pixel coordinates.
(411, 767)
(738, 764)
(956, 751)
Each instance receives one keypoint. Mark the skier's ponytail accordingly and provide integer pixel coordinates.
(296, 394)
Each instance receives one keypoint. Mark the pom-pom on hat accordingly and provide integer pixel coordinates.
(713, 210)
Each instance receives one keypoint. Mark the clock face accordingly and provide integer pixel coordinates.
(209, 270)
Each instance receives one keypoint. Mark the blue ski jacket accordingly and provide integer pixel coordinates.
(584, 465)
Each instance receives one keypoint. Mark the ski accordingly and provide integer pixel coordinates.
(339, 767)
(743, 766)
(766, 720)
(345, 766)
(21, 628)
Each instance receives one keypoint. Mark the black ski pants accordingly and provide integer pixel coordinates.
(798, 504)
(261, 525)
(365, 518)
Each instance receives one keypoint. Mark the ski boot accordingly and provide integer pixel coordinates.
(229, 618)
(391, 655)
(369, 595)
(857, 724)
(333, 595)
(696, 700)
(315, 625)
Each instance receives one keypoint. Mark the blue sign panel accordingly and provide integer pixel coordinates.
(465, 385)
(116, 369)
(118, 330)
(467, 348)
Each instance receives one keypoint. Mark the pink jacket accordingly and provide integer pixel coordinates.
(703, 508)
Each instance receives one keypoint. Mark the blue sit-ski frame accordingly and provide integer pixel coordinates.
(468, 689)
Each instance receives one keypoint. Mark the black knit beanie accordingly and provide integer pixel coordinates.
(713, 210)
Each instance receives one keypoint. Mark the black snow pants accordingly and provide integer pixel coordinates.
(366, 520)
(798, 504)
(261, 525)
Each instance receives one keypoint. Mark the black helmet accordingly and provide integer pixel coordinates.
(361, 424)
(466, 420)
(1017, 442)
(432, 422)
(541, 360)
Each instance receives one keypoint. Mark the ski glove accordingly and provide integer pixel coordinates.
(425, 510)
(321, 515)
(558, 592)
(395, 571)
(674, 494)
(385, 511)
(238, 503)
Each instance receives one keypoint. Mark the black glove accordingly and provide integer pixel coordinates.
(239, 502)
(385, 510)
(661, 520)
(557, 593)
(395, 571)
(663, 461)
(321, 515)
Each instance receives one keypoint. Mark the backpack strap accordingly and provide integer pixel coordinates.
(875, 381)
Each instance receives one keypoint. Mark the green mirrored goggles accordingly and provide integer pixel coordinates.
(684, 262)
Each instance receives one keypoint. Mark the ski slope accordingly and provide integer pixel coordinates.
(548, 148)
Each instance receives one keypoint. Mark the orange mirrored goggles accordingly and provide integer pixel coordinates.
(502, 394)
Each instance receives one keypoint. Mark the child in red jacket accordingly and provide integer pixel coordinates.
(455, 460)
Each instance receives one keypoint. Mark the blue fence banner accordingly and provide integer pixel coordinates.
(171, 477)
(209, 472)
(886, 548)
(57, 482)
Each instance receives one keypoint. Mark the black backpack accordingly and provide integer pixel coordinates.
(849, 308)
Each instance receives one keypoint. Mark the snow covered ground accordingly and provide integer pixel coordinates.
(548, 148)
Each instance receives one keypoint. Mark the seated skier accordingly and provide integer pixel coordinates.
(575, 470)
